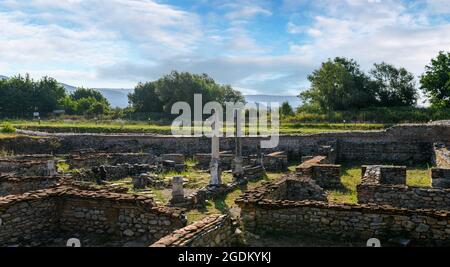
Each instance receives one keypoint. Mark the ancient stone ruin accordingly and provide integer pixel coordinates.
(151, 190)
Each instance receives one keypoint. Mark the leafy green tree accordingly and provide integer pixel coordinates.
(21, 95)
(286, 109)
(160, 95)
(339, 85)
(81, 93)
(48, 93)
(435, 82)
(394, 87)
(145, 98)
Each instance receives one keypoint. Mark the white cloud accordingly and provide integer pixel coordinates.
(374, 31)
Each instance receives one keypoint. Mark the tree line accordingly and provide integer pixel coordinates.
(338, 85)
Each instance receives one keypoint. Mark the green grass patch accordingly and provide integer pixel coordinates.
(83, 126)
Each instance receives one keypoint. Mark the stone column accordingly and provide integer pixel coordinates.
(238, 170)
(214, 165)
(177, 190)
(51, 168)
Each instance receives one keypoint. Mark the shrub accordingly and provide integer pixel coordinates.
(7, 128)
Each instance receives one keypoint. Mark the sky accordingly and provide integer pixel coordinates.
(257, 46)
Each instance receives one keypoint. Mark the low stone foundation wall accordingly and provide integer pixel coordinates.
(213, 231)
(25, 167)
(276, 162)
(116, 172)
(404, 196)
(87, 161)
(38, 217)
(378, 174)
(226, 161)
(441, 156)
(327, 176)
(295, 188)
(12, 185)
(261, 214)
(440, 177)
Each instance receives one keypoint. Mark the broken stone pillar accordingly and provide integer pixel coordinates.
(214, 165)
(238, 169)
(51, 168)
(177, 190)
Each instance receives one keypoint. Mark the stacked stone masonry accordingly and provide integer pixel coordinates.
(440, 177)
(213, 231)
(327, 176)
(403, 196)
(37, 217)
(377, 174)
(262, 214)
(400, 145)
(26, 167)
(13, 185)
(89, 160)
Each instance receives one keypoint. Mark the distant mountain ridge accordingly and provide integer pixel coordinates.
(119, 97)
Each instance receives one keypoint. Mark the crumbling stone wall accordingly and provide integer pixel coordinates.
(277, 161)
(28, 168)
(116, 172)
(89, 160)
(441, 156)
(295, 188)
(378, 174)
(126, 216)
(327, 176)
(260, 213)
(213, 231)
(38, 217)
(13, 185)
(401, 145)
(403, 196)
(28, 219)
(440, 177)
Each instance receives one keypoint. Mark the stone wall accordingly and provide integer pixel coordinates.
(402, 144)
(377, 174)
(28, 168)
(295, 188)
(277, 162)
(327, 176)
(403, 196)
(116, 172)
(13, 185)
(441, 156)
(89, 160)
(440, 177)
(37, 218)
(261, 214)
(213, 231)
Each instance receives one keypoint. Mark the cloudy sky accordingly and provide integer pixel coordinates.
(258, 46)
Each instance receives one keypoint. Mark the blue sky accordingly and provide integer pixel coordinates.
(257, 46)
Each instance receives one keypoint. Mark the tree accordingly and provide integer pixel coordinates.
(145, 98)
(84, 101)
(86, 93)
(21, 96)
(160, 95)
(339, 85)
(394, 87)
(286, 109)
(435, 82)
(48, 93)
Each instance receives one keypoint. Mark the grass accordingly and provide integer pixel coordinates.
(351, 177)
(145, 127)
(226, 204)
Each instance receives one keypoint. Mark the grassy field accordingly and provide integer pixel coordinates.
(351, 177)
(143, 127)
